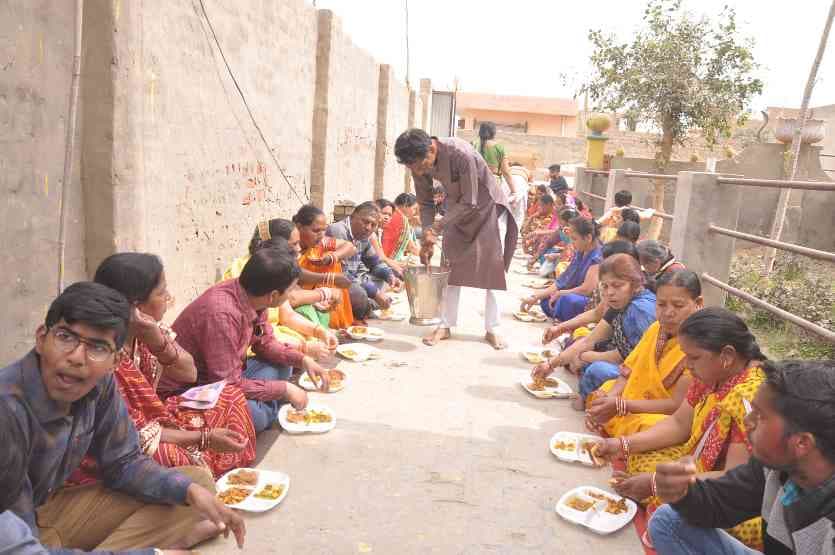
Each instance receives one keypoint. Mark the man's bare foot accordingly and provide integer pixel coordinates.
(495, 341)
(438, 334)
(202, 531)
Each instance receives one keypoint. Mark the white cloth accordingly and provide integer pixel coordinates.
(452, 296)
(519, 200)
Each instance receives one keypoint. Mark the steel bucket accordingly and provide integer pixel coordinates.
(426, 289)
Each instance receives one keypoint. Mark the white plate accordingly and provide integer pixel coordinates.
(292, 428)
(389, 314)
(530, 316)
(370, 334)
(525, 272)
(537, 355)
(307, 384)
(253, 503)
(597, 521)
(578, 454)
(361, 351)
(562, 391)
(538, 283)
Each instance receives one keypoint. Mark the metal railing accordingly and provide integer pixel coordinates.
(592, 195)
(820, 331)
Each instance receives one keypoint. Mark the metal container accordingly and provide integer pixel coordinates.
(426, 289)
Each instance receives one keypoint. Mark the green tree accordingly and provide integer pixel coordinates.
(680, 73)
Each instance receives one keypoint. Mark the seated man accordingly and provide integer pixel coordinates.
(789, 480)
(220, 326)
(368, 274)
(61, 403)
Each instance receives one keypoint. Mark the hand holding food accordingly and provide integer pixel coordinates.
(603, 409)
(296, 396)
(672, 480)
(608, 448)
(318, 374)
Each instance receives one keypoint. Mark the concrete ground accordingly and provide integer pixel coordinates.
(447, 454)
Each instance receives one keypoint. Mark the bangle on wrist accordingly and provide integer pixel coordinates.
(624, 446)
(653, 485)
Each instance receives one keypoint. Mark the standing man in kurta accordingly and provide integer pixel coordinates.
(479, 236)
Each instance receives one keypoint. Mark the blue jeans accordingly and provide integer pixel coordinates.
(671, 535)
(264, 413)
(595, 375)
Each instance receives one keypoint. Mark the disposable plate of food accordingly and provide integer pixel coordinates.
(337, 378)
(249, 489)
(389, 314)
(573, 447)
(538, 355)
(315, 419)
(546, 388)
(357, 352)
(596, 509)
(367, 333)
(525, 272)
(530, 316)
(537, 283)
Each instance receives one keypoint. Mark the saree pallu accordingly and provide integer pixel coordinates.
(397, 234)
(655, 365)
(135, 377)
(718, 421)
(342, 315)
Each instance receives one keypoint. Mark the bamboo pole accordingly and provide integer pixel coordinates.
(69, 148)
(783, 202)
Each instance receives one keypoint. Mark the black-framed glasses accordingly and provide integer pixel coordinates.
(68, 341)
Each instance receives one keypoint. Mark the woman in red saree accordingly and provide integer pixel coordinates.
(220, 438)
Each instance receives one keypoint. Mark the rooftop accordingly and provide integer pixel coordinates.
(521, 104)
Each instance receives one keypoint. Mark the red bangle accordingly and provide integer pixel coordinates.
(653, 485)
(624, 445)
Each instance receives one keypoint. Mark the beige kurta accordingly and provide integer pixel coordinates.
(471, 226)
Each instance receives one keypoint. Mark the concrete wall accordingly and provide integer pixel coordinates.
(393, 119)
(537, 124)
(35, 75)
(170, 158)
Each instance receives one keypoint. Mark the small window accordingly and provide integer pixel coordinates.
(462, 123)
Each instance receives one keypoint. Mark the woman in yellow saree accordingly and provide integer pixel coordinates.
(303, 327)
(323, 255)
(653, 379)
(709, 427)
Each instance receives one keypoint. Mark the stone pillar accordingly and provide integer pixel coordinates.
(617, 182)
(413, 99)
(700, 201)
(319, 140)
(595, 150)
(383, 91)
(426, 104)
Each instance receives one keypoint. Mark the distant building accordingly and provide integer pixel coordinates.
(533, 115)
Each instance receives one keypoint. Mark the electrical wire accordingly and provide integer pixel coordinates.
(246, 105)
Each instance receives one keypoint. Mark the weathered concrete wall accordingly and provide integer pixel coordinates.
(208, 175)
(36, 52)
(349, 115)
(390, 181)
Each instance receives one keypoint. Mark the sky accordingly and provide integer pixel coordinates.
(522, 47)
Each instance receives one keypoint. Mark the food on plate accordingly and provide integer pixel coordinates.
(590, 448)
(270, 491)
(579, 504)
(359, 330)
(540, 383)
(308, 417)
(335, 376)
(613, 506)
(565, 445)
(243, 478)
(350, 353)
(535, 358)
(373, 333)
(234, 495)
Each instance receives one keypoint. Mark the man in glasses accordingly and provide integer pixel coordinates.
(65, 404)
(789, 480)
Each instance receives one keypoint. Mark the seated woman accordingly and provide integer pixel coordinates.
(570, 294)
(398, 235)
(653, 378)
(536, 226)
(323, 255)
(220, 438)
(533, 200)
(302, 321)
(657, 260)
(555, 250)
(628, 231)
(709, 427)
(596, 308)
(631, 311)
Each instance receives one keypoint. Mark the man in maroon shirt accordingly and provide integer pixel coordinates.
(220, 326)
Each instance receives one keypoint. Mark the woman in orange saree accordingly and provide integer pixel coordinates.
(323, 255)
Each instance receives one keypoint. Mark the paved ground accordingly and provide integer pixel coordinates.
(445, 455)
